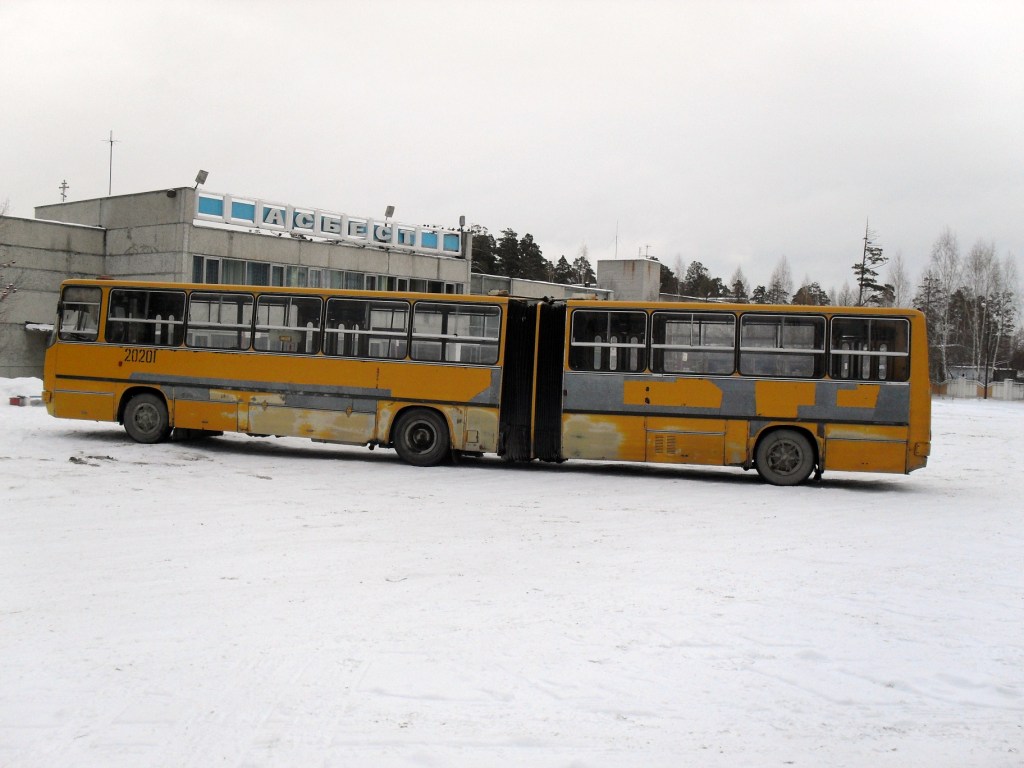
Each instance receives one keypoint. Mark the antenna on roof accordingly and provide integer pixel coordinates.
(110, 179)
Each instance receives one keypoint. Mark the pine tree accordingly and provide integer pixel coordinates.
(484, 247)
(583, 273)
(869, 290)
(508, 257)
(811, 294)
(699, 283)
(738, 290)
(532, 264)
(668, 282)
(563, 272)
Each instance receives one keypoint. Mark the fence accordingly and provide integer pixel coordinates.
(970, 388)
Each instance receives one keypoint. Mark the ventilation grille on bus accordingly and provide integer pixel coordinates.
(665, 445)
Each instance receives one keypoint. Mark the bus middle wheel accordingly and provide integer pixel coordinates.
(421, 438)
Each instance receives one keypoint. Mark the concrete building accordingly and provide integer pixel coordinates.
(181, 235)
(631, 279)
(191, 235)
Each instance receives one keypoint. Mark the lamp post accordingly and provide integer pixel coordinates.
(984, 346)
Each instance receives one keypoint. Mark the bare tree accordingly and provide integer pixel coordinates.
(899, 281)
(980, 299)
(780, 286)
(1005, 309)
(582, 271)
(846, 296)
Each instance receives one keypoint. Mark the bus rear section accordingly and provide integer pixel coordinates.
(789, 391)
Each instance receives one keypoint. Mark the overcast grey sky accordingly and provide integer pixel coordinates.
(727, 132)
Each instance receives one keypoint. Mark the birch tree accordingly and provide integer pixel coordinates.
(780, 285)
(945, 268)
(899, 281)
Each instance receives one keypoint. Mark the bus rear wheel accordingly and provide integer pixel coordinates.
(421, 438)
(784, 457)
(145, 419)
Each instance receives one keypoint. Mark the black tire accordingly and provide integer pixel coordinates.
(421, 438)
(145, 419)
(784, 457)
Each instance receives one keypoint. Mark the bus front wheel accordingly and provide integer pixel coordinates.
(145, 419)
(421, 438)
(784, 457)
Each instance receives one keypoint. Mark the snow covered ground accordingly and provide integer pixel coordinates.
(251, 602)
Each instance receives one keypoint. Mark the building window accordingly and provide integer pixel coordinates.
(232, 272)
(257, 273)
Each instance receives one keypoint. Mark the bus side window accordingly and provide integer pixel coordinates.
(784, 346)
(456, 332)
(367, 328)
(608, 341)
(288, 324)
(79, 314)
(220, 320)
(144, 316)
(701, 343)
(870, 348)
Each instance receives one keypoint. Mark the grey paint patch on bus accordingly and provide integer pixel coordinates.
(199, 388)
(603, 393)
(489, 396)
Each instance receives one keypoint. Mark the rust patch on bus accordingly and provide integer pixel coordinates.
(481, 430)
(863, 396)
(681, 392)
(783, 399)
(334, 426)
(588, 437)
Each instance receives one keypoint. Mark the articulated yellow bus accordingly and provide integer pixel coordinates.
(790, 391)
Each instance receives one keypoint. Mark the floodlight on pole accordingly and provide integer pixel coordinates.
(201, 178)
(389, 212)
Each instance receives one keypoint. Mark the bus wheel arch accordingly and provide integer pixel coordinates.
(421, 436)
(786, 455)
(144, 414)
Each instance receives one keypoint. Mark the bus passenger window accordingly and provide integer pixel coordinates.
(219, 320)
(456, 333)
(79, 314)
(782, 346)
(287, 324)
(147, 317)
(626, 345)
(870, 348)
(367, 328)
(701, 343)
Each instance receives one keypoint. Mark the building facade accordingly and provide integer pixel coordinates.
(193, 235)
(184, 234)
